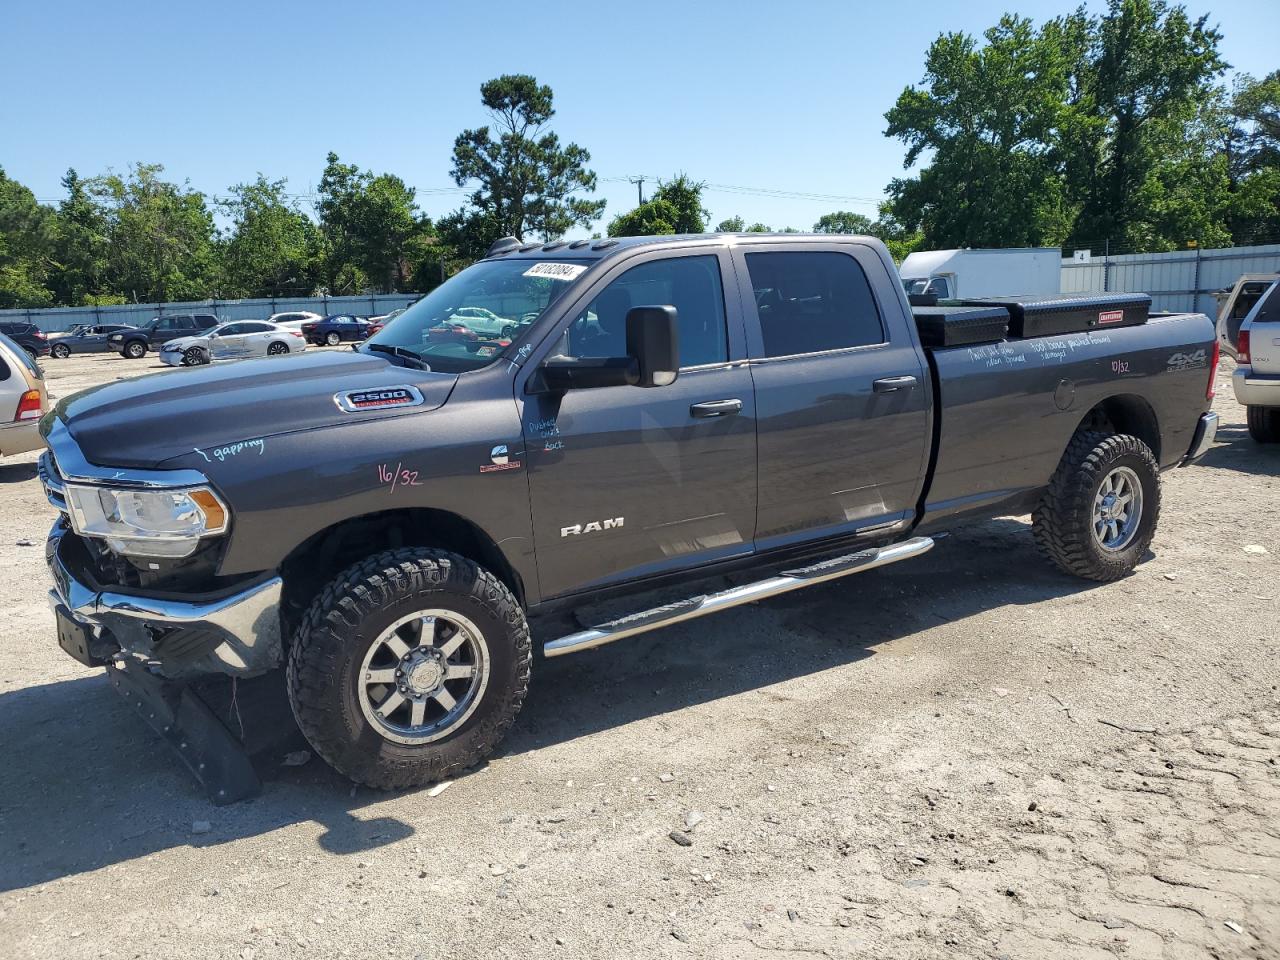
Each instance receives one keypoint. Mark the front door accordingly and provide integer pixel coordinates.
(627, 482)
(228, 344)
(841, 396)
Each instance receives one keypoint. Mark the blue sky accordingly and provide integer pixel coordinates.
(768, 95)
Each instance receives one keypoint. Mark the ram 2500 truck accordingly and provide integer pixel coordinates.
(384, 523)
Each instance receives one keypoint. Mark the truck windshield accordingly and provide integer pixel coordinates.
(472, 319)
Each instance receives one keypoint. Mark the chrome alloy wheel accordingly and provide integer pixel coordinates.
(424, 676)
(1117, 509)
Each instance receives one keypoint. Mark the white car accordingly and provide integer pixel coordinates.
(233, 341)
(23, 400)
(293, 319)
(1256, 381)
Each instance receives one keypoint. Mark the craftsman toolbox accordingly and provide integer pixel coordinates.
(957, 326)
(1070, 313)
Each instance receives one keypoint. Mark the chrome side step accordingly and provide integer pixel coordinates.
(785, 582)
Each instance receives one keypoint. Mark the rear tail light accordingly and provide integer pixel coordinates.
(1242, 347)
(1212, 388)
(39, 334)
(29, 406)
(295, 333)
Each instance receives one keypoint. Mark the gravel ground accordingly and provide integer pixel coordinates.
(968, 755)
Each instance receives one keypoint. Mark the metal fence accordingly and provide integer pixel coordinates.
(57, 319)
(1182, 281)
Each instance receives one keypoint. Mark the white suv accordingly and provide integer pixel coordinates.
(1257, 378)
(294, 319)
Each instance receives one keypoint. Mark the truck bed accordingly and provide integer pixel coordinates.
(1005, 411)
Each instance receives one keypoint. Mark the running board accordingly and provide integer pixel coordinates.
(784, 582)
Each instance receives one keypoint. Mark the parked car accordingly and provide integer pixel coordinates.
(293, 319)
(135, 343)
(27, 336)
(336, 329)
(1235, 303)
(23, 399)
(233, 341)
(377, 323)
(86, 338)
(654, 426)
(1256, 381)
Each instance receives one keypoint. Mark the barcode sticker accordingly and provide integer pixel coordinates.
(555, 271)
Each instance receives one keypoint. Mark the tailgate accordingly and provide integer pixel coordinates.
(1263, 324)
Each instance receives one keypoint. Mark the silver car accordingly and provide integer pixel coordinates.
(233, 341)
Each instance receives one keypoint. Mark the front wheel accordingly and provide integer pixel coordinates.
(1098, 516)
(409, 668)
(1264, 424)
(135, 350)
(194, 357)
(60, 351)
(332, 339)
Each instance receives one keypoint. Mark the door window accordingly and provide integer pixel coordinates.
(232, 330)
(940, 288)
(812, 301)
(254, 328)
(690, 284)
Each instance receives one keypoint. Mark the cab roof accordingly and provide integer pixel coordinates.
(597, 249)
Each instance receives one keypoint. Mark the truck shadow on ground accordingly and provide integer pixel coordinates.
(84, 784)
(16, 472)
(1240, 453)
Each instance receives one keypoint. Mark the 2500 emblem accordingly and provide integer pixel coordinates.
(595, 526)
(400, 395)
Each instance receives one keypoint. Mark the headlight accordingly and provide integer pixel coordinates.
(147, 523)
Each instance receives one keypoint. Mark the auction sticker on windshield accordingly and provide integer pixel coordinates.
(556, 271)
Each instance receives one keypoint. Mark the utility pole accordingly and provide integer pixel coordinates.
(639, 182)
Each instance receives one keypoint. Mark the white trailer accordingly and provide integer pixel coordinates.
(948, 274)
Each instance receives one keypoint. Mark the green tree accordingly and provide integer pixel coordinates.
(759, 228)
(371, 228)
(273, 245)
(843, 221)
(81, 247)
(1251, 144)
(28, 233)
(161, 237)
(676, 207)
(731, 225)
(527, 182)
(1150, 75)
(986, 116)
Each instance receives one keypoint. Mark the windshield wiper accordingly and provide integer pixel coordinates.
(404, 353)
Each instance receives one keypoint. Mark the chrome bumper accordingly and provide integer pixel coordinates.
(241, 630)
(1206, 431)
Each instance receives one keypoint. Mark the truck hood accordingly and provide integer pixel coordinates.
(143, 422)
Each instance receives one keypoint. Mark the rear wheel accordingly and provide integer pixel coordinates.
(60, 351)
(409, 668)
(332, 339)
(1264, 424)
(277, 348)
(135, 349)
(1098, 516)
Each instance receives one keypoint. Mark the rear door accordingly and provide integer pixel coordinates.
(842, 395)
(1263, 325)
(170, 327)
(626, 482)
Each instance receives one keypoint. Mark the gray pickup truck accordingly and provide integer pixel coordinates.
(650, 412)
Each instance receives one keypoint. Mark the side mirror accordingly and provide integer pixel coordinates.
(653, 358)
(653, 341)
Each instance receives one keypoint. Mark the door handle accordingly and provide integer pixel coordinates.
(716, 408)
(890, 384)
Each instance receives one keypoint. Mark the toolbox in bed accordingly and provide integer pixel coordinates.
(1070, 313)
(957, 326)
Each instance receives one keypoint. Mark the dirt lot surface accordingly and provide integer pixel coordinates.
(967, 755)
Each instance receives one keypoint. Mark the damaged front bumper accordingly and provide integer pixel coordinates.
(234, 632)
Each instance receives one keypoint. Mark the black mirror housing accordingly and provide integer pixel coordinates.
(653, 342)
(573, 373)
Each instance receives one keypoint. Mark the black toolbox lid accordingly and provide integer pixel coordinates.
(1064, 303)
(954, 326)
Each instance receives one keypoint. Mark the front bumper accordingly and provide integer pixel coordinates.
(236, 632)
(172, 357)
(1206, 432)
(1255, 389)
